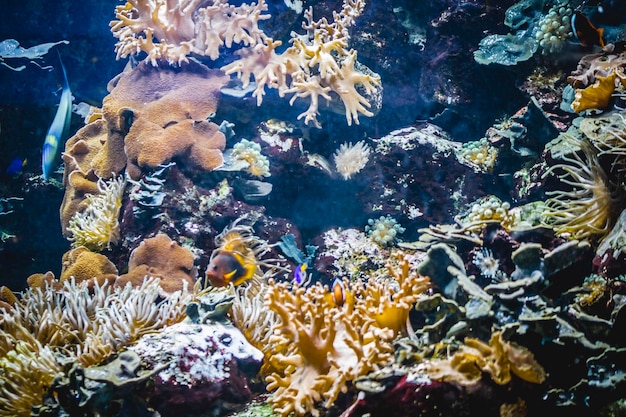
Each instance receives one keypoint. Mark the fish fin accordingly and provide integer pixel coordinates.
(249, 273)
(229, 275)
(600, 34)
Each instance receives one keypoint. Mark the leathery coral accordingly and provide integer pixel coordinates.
(317, 346)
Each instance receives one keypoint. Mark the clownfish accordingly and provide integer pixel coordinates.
(229, 268)
(585, 32)
(337, 294)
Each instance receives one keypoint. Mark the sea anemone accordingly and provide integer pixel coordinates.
(590, 209)
(97, 227)
(350, 159)
(488, 265)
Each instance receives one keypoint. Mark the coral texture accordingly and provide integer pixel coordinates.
(81, 264)
(171, 31)
(162, 258)
(318, 345)
(167, 109)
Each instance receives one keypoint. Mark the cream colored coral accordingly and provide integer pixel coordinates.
(97, 227)
(350, 159)
(172, 30)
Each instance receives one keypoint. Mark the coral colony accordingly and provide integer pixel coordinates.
(343, 272)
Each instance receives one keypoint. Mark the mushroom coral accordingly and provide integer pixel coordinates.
(318, 346)
(162, 258)
(163, 112)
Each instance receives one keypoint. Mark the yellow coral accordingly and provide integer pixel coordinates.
(500, 359)
(97, 227)
(317, 346)
(595, 96)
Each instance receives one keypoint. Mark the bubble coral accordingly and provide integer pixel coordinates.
(250, 153)
(555, 28)
(480, 154)
(384, 230)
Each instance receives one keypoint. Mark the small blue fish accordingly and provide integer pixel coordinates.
(15, 166)
(299, 275)
(58, 129)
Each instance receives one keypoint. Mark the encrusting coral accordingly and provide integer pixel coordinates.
(81, 264)
(48, 328)
(320, 342)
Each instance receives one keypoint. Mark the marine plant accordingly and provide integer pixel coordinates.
(97, 227)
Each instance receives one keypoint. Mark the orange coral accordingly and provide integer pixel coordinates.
(596, 96)
(500, 359)
(318, 346)
(163, 258)
(85, 265)
(163, 112)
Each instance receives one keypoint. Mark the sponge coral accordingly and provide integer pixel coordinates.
(168, 108)
(160, 257)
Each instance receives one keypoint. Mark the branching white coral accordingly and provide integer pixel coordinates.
(97, 227)
(350, 159)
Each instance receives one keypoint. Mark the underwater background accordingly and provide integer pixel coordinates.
(326, 208)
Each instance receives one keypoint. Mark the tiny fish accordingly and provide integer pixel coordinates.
(229, 267)
(299, 275)
(585, 32)
(58, 129)
(15, 166)
(338, 292)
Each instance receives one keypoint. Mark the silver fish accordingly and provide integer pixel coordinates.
(58, 129)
